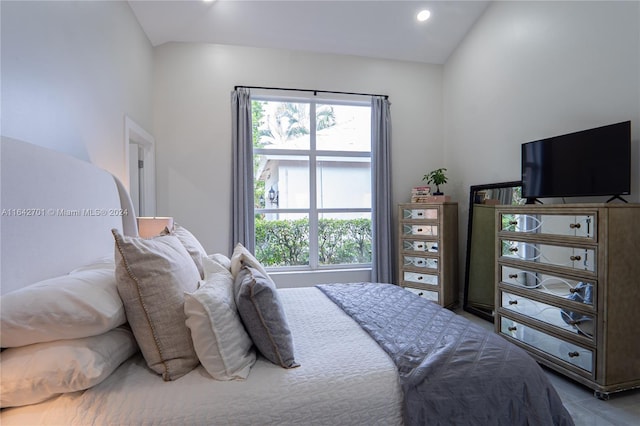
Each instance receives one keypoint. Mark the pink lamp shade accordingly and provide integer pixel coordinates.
(152, 226)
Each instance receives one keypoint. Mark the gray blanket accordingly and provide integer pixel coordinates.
(452, 371)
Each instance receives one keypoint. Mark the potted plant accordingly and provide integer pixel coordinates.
(436, 177)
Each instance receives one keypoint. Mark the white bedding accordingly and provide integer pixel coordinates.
(345, 378)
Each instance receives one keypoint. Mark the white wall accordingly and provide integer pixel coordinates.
(70, 72)
(193, 83)
(529, 70)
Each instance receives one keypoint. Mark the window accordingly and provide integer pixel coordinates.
(312, 182)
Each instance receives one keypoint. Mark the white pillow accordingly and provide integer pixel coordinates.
(81, 304)
(102, 263)
(33, 373)
(211, 265)
(223, 346)
(221, 259)
(243, 257)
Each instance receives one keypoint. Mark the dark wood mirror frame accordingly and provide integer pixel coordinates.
(485, 310)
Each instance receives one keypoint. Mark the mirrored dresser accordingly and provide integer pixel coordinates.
(568, 289)
(428, 250)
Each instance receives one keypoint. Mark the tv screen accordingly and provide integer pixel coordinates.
(592, 162)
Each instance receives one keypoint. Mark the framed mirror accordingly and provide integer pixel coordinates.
(479, 280)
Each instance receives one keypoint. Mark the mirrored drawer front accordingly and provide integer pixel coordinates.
(556, 224)
(429, 295)
(431, 230)
(558, 348)
(422, 246)
(547, 254)
(565, 319)
(421, 262)
(415, 277)
(419, 213)
(578, 291)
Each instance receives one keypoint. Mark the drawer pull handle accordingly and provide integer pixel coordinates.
(573, 290)
(574, 226)
(513, 302)
(419, 278)
(573, 354)
(513, 249)
(575, 257)
(421, 294)
(513, 276)
(419, 229)
(420, 214)
(512, 328)
(513, 222)
(420, 246)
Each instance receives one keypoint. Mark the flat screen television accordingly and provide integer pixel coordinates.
(593, 162)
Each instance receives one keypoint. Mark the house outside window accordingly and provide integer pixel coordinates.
(312, 183)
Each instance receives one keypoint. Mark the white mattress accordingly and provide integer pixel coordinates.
(345, 378)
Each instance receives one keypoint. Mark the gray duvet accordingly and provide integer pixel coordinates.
(452, 371)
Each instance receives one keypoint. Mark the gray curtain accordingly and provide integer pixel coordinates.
(382, 213)
(242, 170)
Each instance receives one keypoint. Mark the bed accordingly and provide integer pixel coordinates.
(361, 353)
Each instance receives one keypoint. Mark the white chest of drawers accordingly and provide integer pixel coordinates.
(568, 289)
(428, 253)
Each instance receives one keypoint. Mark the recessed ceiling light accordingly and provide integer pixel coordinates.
(423, 15)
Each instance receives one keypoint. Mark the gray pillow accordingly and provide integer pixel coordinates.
(263, 316)
(152, 276)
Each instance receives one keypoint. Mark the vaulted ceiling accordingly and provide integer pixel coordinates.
(379, 29)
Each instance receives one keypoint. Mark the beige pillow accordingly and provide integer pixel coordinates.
(152, 276)
(191, 243)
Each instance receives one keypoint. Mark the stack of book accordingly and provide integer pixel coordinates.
(420, 194)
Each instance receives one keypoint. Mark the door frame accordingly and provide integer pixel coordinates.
(135, 134)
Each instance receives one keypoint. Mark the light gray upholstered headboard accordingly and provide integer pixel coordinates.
(57, 213)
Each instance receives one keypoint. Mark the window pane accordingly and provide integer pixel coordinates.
(343, 127)
(281, 181)
(284, 221)
(343, 182)
(281, 125)
(282, 239)
(344, 238)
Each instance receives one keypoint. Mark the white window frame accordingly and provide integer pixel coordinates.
(312, 154)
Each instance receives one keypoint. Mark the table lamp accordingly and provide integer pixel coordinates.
(152, 226)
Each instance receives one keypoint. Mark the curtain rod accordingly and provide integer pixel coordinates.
(315, 92)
